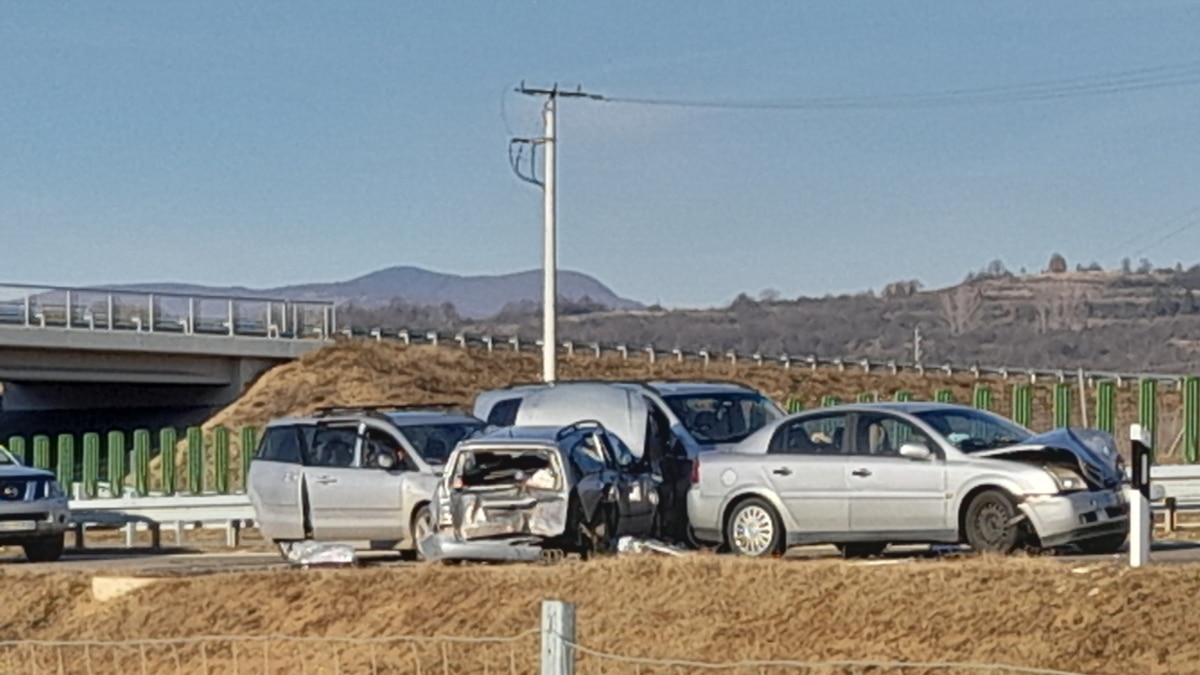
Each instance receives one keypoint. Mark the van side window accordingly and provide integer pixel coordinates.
(504, 413)
(280, 444)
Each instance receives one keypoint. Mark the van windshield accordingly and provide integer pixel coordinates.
(435, 441)
(723, 417)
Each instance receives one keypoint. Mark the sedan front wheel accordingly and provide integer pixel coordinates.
(989, 525)
(754, 529)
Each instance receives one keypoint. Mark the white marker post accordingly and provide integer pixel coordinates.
(1141, 522)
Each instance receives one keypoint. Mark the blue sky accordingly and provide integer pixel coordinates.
(263, 144)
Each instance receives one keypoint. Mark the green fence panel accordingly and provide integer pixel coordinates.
(944, 396)
(1062, 405)
(1191, 419)
(116, 462)
(221, 460)
(867, 397)
(1022, 404)
(195, 460)
(983, 398)
(16, 445)
(91, 464)
(1148, 412)
(794, 405)
(41, 451)
(167, 440)
(827, 401)
(1106, 416)
(141, 461)
(249, 446)
(903, 395)
(66, 461)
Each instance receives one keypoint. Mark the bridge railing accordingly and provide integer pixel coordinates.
(105, 309)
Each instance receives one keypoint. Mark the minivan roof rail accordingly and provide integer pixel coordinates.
(380, 408)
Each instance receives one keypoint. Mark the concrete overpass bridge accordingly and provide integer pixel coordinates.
(91, 348)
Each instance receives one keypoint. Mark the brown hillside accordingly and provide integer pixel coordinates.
(357, 372)
(1104, 618)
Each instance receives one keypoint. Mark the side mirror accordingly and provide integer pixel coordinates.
(915, 451)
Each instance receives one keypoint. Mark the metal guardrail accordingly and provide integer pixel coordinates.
(106, 309)
(179, 513)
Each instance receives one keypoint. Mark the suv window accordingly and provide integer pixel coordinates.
(280, 444)
(504, 413)
(822, 435)
(879, 434)
(378, 442)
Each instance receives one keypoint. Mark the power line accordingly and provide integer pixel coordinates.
(1158, 77)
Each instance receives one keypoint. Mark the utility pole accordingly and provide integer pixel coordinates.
(550, 244)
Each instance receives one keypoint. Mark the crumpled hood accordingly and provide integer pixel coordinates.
(1095, 450)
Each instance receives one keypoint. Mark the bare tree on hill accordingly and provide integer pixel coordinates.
(960, 308)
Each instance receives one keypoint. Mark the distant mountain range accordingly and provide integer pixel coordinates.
(472, 296)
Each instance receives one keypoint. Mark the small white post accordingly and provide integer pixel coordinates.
(1140, 516)
(558, 638)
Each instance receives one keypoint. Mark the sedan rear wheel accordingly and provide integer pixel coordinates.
(754, 529)
(988, 525)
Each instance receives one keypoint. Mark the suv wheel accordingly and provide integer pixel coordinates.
(44, 549)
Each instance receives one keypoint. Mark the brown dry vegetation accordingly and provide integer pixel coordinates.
(1106, 618)
(364, 372)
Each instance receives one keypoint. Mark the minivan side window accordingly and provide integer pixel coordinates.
(280, 444)
(504, 413)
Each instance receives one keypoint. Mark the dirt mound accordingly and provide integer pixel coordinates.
(1033, 613)
(358, 372)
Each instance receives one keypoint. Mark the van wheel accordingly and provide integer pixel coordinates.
(986, 524)
(754, 529)
(420, 527)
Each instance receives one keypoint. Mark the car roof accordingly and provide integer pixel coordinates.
(910, 407)
(668, 388)
(660, 386)
(399, 419)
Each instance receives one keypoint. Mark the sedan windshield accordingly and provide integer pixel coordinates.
(435, 441)
(723, 418)
(972, 430)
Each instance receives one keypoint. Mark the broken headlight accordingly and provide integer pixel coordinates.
(1067, 480)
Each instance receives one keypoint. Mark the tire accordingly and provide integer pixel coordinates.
(862, 549)
(421, 525)
(44, 549)
(1108, 544)
(985, 524)
(755, 530)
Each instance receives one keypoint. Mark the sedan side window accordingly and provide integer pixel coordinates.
(280, 444)
(882, 435)
(822, 435)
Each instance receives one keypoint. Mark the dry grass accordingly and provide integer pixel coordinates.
(1028, 612)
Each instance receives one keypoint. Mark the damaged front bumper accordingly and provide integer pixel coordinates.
(1068, 518)
(447, 547)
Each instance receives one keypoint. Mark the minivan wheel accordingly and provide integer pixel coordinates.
(44, 549)
(421, 527)
(754, 529)
(988, 525)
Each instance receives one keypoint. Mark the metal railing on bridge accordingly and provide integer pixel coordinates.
(106, 309)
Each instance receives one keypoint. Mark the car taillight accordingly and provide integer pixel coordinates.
(696, 471)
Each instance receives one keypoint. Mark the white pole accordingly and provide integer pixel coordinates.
(558, 638)
(549, 263)
(1141, 522)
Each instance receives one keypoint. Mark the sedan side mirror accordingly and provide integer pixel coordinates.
(915, 451)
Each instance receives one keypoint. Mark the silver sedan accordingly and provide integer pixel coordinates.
(868, 475)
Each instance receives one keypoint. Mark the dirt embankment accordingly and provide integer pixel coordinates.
(358, 372)
(1024, 612)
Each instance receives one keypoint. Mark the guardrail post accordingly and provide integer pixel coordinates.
(1148, 413)
(116, 462)
(221, 460)
(91, 464)
(558, 638)
(41, 452)
(66, 460)
(1022, 404)
(249, 446)
(167, 440)
(141, 461)
(16, 446)
(944, 396)
(1105, 406)
(1191, 419)
(1062, 405)
(195, 460)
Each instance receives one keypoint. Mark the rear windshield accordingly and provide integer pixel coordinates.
(435, 441)
(531, 468)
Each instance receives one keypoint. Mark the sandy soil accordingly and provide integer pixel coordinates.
(368, 372)
(1102, 618)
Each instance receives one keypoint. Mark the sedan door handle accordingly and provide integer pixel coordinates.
(325, 480)
(861, 472)
(784, 471)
